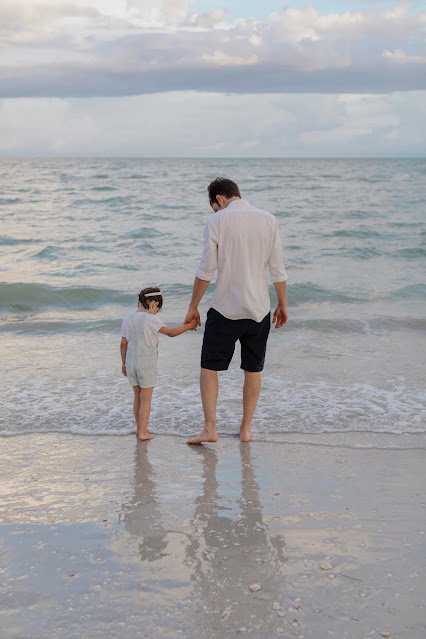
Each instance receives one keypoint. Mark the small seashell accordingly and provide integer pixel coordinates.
(385, 634)
(255, 587)
(276, 605)
(326, 565)
(281, 613)
(225, 614)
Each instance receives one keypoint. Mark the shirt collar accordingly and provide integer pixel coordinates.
(238, 203)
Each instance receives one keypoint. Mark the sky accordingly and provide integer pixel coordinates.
(212, 78)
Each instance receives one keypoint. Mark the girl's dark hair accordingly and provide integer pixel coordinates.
(222, 186)
(152, 298)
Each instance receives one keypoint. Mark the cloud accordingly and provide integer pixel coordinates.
(400, 57)
(161, 11)
(193, 124)
(68, 50)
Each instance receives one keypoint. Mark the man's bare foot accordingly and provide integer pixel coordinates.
(144, 437)
(204, 436)
(245, 434)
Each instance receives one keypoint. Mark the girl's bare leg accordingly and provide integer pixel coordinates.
(136, 405)
(144, 411)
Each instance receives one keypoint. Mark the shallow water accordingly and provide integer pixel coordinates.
(80, 237)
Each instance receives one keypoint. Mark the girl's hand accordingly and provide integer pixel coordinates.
(194, 325)
(123, 370)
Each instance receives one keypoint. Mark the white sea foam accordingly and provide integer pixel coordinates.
(286, 411)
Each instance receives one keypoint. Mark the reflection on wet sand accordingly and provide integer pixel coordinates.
(142, 515)
(223, 551)
(234, 552)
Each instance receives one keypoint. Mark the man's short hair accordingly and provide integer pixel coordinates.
(222, 186)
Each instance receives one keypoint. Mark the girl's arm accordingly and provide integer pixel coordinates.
(174, 332)
(123, 351)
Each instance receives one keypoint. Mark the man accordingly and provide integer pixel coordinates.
(240, 242)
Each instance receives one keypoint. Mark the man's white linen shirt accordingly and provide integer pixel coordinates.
(241, 242)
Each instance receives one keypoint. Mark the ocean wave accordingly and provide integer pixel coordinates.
(358, 253)
(101, 404)
(4, 201)
(311, 293)
(364, 233)
(24, 296)
(48, 252)
(12, 241)
(134, 176)
(410, 253)
(41, 295)
(51, 327)
(411, 291)
(125, 199)
(22, 324)
(143, 233)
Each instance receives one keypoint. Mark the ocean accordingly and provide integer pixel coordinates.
(80, 237)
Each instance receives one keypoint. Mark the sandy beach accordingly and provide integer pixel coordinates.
(108, 537)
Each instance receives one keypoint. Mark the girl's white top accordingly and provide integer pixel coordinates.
(151, 328)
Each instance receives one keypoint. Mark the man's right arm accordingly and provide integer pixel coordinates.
(200, 287)
(205, 272)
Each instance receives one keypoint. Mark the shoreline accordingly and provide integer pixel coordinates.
(356, 440)
(107, 536)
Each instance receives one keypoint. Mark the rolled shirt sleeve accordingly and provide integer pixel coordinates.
(276, 262)
(208, 264)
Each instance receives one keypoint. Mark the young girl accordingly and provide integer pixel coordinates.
(139, 352)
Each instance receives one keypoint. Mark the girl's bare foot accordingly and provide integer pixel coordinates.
(143, 437)
(204, 436)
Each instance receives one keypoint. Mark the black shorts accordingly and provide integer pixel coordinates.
(220, 335)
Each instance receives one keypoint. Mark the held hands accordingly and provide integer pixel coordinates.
(280, 316)
(194, 325)
(123, 370)
(193, 314)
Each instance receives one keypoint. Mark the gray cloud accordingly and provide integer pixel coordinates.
(370, 51)
(67, 81)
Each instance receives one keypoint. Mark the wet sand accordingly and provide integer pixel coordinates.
(109, 537)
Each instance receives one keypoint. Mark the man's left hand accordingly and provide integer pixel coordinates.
(280, 316)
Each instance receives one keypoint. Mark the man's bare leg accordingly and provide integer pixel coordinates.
(209, 387)
(251, 392)
(145, 409)
(136, 405)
